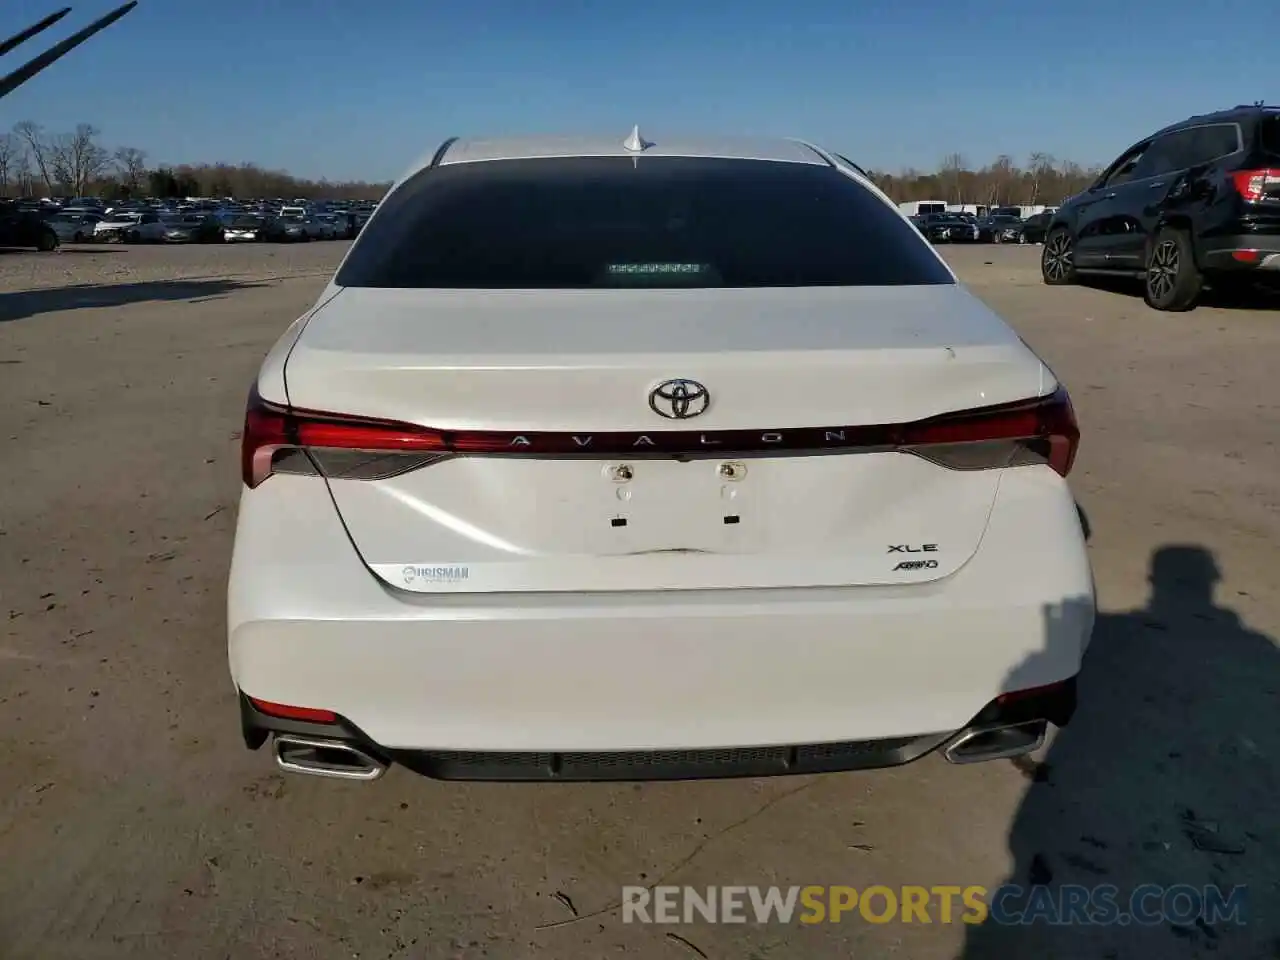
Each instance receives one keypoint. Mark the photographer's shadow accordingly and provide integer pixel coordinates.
(1166, 775)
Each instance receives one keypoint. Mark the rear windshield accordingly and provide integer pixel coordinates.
(621, 221)
(1269, 133)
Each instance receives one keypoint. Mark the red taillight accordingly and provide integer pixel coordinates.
(286, 712)
(1256, 184)
(1049, 421)
(281, 440)
(265, 432)
(271, 430)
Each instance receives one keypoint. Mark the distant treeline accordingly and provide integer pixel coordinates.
(35, 163)
(1042, 180)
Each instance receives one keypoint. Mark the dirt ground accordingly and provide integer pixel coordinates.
(133, 823)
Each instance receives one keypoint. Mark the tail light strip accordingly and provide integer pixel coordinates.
(1257, 185)
(1038, 430)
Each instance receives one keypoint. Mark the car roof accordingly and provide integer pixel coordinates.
(1245, 111)
(777, 149)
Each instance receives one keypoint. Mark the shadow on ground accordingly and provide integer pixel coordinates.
(1167, 775)
(98, 249)
(1254, 297)
(30, 303)
(63, 250)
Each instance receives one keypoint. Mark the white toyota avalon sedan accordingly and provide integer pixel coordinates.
(602, 458)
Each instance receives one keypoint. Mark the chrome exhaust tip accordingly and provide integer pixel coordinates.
(325, 758)
(996, 742)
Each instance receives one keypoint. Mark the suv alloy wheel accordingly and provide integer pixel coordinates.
(1057, 259)
(1172, 281)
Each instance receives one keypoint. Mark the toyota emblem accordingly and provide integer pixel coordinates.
(679, 399)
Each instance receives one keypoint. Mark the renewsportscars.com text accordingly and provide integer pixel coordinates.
(1067, 904)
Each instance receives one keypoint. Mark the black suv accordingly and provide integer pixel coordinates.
(23, 227)
(1199, 199)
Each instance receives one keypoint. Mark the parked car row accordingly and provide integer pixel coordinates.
(292, 228)
(221, 227)
(948, 227)
(44, 224)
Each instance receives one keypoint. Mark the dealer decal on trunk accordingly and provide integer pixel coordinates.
(444, 574)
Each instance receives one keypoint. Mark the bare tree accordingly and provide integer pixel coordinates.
(1001, 177)
(132, 164)
(22, 172)
(1070, 176)
(953, 165)
(9, 147)
(77, 159)
(1041, 165)
(32, 134)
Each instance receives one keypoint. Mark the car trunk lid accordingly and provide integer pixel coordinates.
(584, 484)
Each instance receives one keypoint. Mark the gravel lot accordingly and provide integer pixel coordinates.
(94, 265)
(134, 824)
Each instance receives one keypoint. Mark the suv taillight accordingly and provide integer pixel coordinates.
(1256, 184)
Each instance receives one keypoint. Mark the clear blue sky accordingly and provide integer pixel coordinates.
(359, 88)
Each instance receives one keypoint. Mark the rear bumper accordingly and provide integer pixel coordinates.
(856, 676)
(1243, 252)
(1055, 704)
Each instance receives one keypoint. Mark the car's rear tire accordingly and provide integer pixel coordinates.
(1172, 281)
(133, 236)
(47, 241)
(1058, 258)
